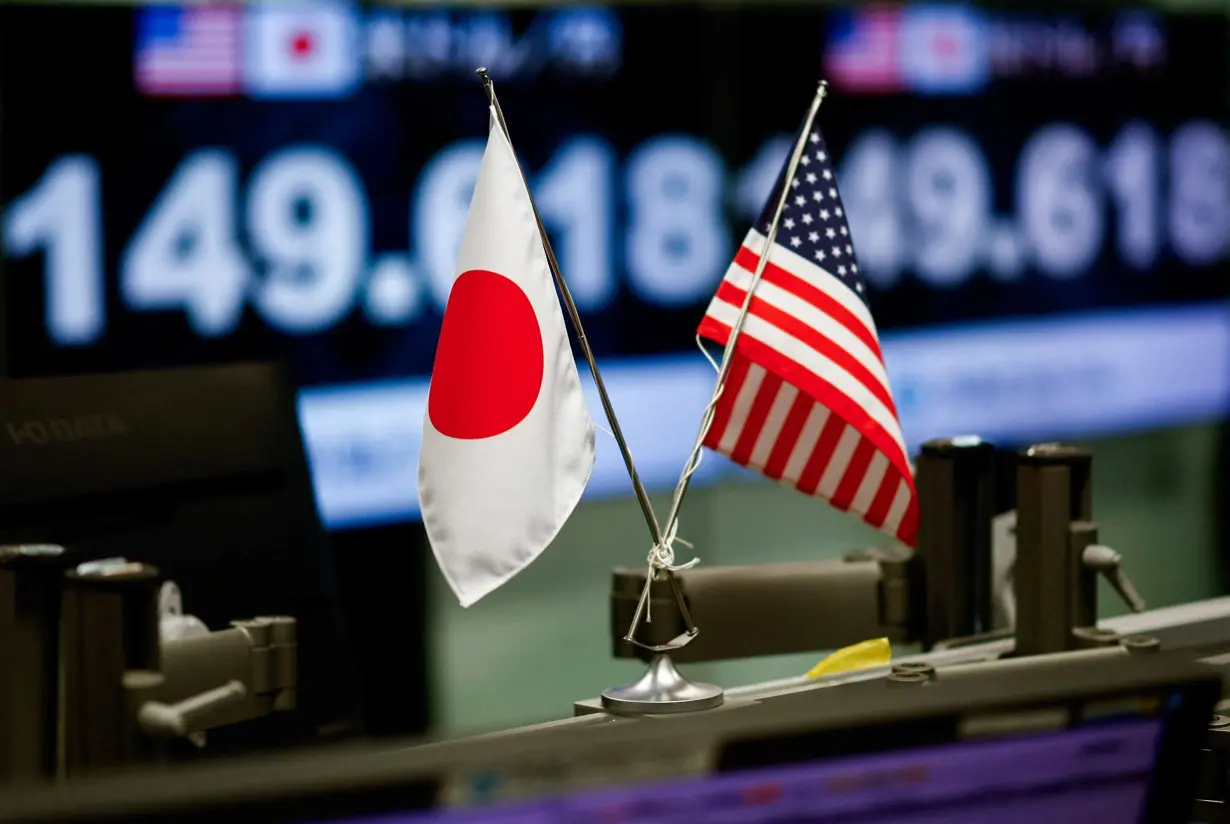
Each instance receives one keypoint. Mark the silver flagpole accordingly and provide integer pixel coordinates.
(668, 691)
(642, 496)
(685, 478)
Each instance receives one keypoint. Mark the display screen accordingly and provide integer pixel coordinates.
(1040, 203)
(1100, 773)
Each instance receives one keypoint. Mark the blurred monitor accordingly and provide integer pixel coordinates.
(1064, 744)
(201, 472)
(1040, 202)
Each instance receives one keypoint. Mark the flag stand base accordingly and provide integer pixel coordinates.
(661, 690)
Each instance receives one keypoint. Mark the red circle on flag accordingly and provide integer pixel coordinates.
(489, 362)
(301, 44)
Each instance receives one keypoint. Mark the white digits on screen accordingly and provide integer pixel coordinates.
(184, 255)
(440, 204)
(678, 244)
(755, 182)
(1058, 200)
(949, 192)
(1199, 192)
(575, 203)
(308, 226)
(1131, 173)
(868, 180)
(61, 215)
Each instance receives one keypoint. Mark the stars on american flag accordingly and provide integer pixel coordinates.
(814, 219)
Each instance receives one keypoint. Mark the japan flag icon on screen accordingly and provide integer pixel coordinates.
(945, 49)
(301, 50)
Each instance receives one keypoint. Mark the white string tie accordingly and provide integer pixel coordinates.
(662, 557)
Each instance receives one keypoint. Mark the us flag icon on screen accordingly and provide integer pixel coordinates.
(187, 52)
(301, 50)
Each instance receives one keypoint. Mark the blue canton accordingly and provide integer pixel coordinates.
(814, 221)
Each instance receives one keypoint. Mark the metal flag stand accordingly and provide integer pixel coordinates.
(662, 689)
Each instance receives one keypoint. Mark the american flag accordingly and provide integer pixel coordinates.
(189, 52)
(807, 399)
(862, 50)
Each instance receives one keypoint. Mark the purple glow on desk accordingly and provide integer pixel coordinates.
(1080, 776)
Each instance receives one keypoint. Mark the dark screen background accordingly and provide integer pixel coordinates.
(734, 77)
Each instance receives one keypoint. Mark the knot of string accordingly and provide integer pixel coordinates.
(662, 556)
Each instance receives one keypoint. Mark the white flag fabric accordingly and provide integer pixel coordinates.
(508, 443)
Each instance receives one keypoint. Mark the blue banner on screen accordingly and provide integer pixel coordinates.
(1041, 220)
(1015, 383)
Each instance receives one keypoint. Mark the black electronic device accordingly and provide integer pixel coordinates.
(1113, 739)
(200, 472)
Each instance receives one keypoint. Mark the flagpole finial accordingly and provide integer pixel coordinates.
(488, 85)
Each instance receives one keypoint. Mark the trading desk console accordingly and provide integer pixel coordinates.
(1121, 737)
(984, 594)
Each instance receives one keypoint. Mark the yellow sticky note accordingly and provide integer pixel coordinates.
(874, 653)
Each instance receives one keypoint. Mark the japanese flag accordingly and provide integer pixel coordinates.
(301, 50)
(508, 443)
